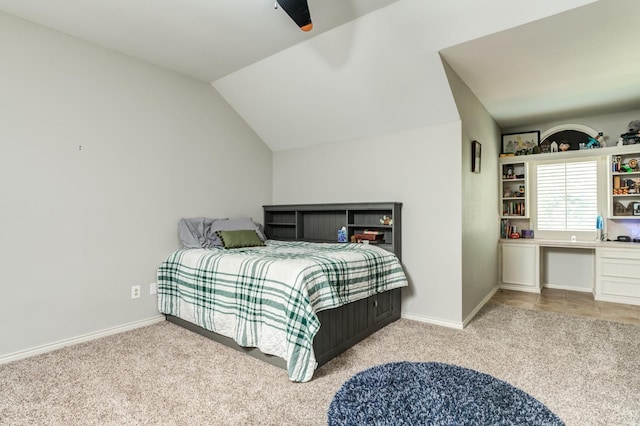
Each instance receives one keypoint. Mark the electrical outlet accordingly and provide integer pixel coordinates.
(573, 238)
(135, 291)
(153, 288)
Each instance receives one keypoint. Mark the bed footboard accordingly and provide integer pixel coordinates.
(344, 326)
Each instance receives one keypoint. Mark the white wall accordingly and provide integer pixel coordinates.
(80, 226)
(480, 216)
(421, 169)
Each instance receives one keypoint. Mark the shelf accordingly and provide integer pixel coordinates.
(620, 181)
(321, 222)
(514, 200)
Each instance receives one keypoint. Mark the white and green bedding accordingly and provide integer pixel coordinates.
(267, 297)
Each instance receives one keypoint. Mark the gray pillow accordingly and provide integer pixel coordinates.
(236, 224)
(194, 231)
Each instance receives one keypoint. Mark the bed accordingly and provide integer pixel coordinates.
(296, 304)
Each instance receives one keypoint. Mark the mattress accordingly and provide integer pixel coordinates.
(267, 297)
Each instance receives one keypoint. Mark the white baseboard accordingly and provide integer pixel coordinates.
(435, 321)
(453, 324)
(618, 299)
(79, 339)
(515, 287)
(479, 306)
(568, 287)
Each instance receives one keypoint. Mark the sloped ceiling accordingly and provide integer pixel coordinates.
(376, 75)
(578, 63)
(369, 67)
(206, 39)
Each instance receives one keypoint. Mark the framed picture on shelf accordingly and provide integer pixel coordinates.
(636, 209)
(476, 156)
(520, 143)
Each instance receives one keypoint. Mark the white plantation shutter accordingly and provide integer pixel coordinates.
(567, 195)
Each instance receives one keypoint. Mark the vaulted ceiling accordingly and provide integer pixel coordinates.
(206, 39)
(372, 67)
(577, 63)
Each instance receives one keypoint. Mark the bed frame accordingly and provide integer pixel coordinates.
(346, 325)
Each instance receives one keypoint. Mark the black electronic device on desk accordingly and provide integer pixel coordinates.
(624, 238)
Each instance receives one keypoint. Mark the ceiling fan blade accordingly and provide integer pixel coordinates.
(298, 10)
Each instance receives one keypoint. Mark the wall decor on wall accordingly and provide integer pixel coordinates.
(522, 143)
(476, 156)
(573, 136)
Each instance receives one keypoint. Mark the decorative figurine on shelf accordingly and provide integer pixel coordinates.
(633, 134)
(625, 168)
(509, 173)
(618, 163)
(386, 220)
(564, 146)
(597, 142)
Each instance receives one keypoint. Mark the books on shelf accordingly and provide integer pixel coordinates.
(507, 229)
(369, 235)
(513, 208)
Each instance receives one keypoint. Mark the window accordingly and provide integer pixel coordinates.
(567, 196)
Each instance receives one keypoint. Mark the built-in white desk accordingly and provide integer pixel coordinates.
(613, 275)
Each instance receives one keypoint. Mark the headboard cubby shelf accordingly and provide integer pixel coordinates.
(320, 222)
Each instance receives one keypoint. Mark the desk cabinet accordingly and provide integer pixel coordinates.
(519, 267)
(618, 275)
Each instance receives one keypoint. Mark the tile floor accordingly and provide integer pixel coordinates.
(569, 302)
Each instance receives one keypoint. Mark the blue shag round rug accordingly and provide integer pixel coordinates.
(432, 393)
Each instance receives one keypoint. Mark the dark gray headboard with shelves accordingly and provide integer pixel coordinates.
(320, 222)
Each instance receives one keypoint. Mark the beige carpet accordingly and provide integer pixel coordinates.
(585, 370)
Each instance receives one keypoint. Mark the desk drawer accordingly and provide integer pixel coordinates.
(620, 253)
(624, 287)
(620, 268)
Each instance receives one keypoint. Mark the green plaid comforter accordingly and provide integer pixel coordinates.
(267, 297)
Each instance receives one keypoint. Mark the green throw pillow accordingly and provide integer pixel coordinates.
(240, 238)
